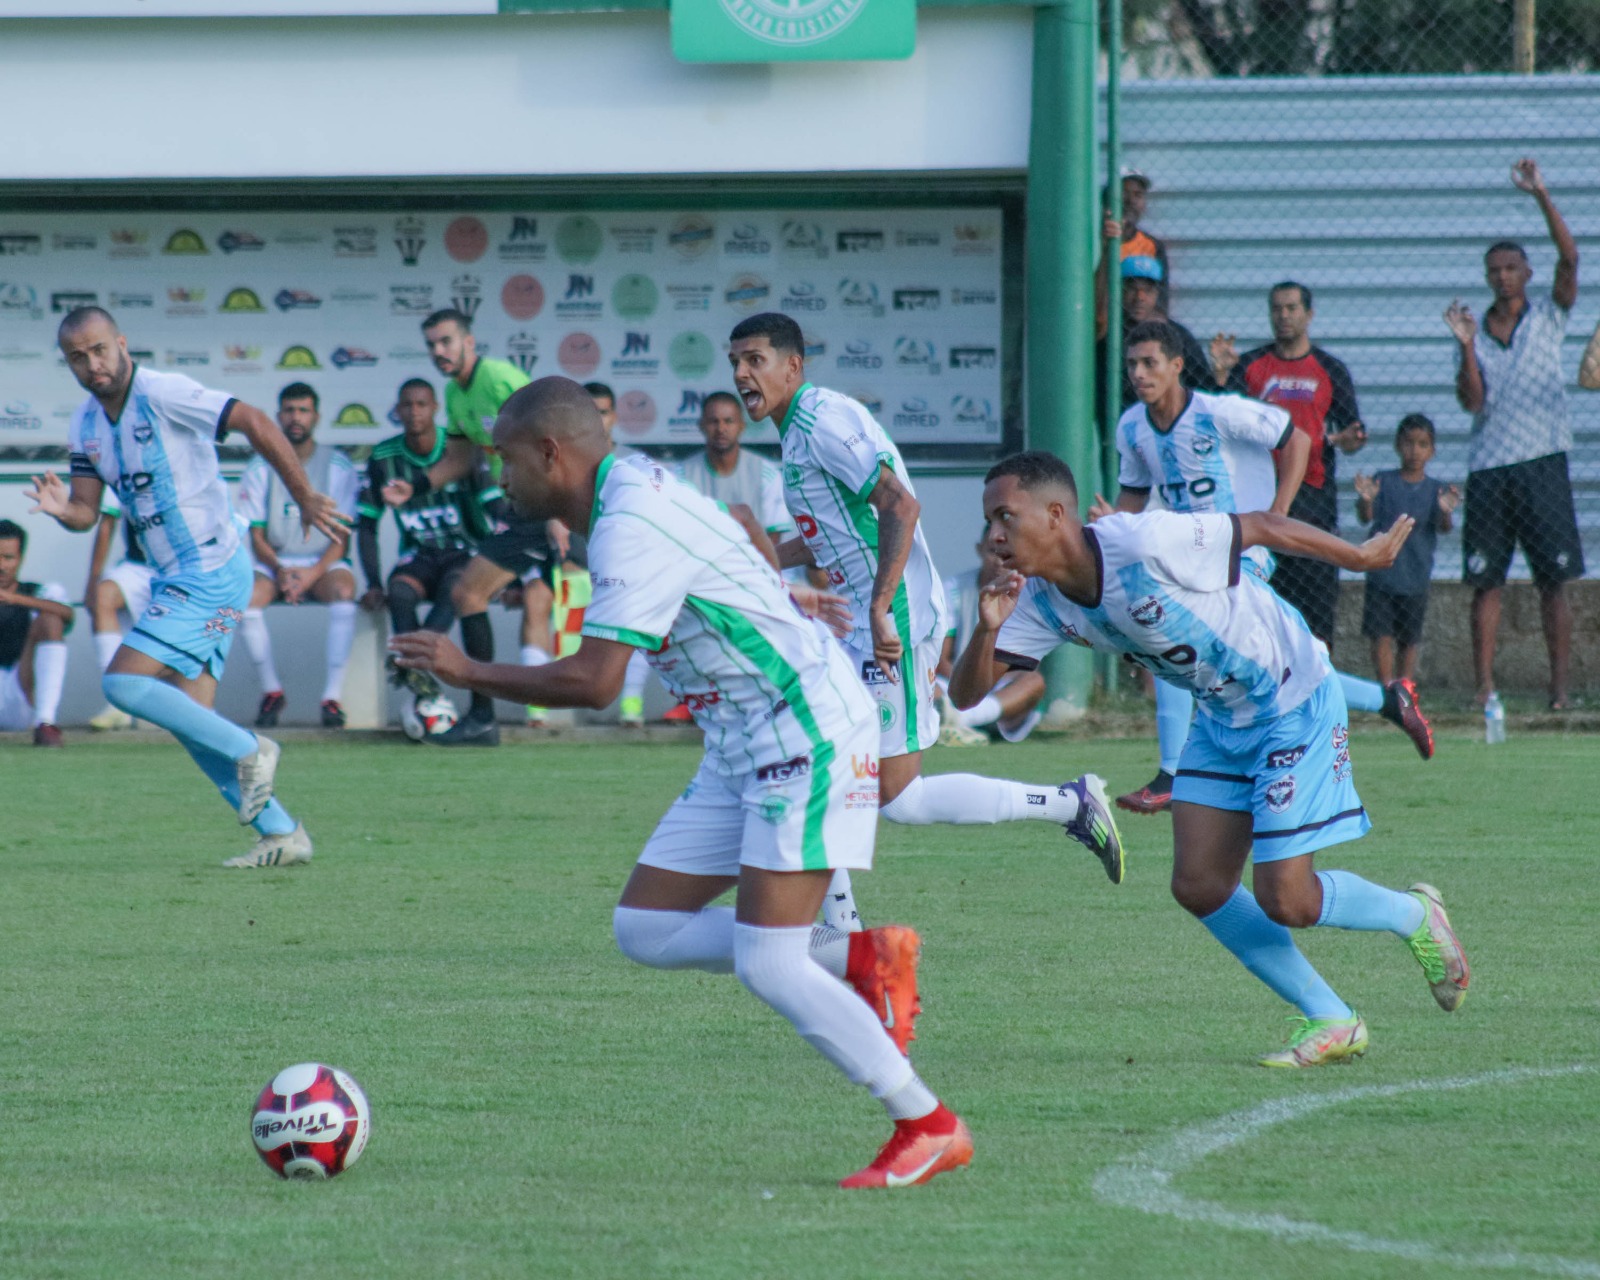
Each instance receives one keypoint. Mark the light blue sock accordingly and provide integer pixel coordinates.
(274, 820)
(160, 703)
(1361, 695)
(1349, 902)
(1174, 710)
(1266, 949)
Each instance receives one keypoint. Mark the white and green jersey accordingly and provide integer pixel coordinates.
(832, 450)
(676, 576)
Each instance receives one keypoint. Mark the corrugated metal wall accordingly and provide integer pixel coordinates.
(1381, 195)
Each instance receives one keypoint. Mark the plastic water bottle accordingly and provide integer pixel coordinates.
(1494, 720)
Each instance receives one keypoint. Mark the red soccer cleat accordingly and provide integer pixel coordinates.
(1154, 797)
(1400, 707)
(919, 1150)
(678, 713)
(883, 969)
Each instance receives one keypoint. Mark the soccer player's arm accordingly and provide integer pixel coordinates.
(1133, 471)
(1296, 538)
(343, 483)
(51, 601)
(317, 510)
(74, 504)
(1009, 635)
(252, 503)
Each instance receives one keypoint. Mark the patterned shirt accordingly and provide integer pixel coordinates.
(1524, 414)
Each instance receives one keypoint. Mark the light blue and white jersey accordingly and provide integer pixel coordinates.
(1172, 599)
(160, 457)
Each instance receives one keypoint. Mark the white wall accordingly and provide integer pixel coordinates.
(550, 94)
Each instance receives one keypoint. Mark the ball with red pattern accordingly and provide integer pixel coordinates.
(312, 1121)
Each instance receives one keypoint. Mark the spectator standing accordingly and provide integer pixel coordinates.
(1316, 391)
(1397, 597)
(1143, 283)
(1518, 487)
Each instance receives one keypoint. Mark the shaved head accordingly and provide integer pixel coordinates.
(79, 317)
(551, 441)
(553, 408)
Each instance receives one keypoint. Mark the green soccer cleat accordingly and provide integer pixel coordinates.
(631, 713)
(1315, 1041)
(1438, 950)
(1095, 826)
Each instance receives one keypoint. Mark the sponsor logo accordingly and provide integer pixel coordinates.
(860, 799)
(297, 358)
(185, 301)
(974, 358)
(915, 355)
(690, 236)
(916, 299)
(352, 358)
(185, 242)
(354, 414)
(859, 298)
(788, 771)
(687, 417)
(690, 297)
(415, 355)
(871, 401)
(578, 355)
(691, 355)
(241, 299)
(466, 295)
(297, 237)
(636, 412)
(812, 347)
(410, 299)
(858, 242)
(802, 299)
(355, 242)
(29, 353)
(408, 238)
(973, 240)
(241, 358)
(131, 301)
(974, 298)
(579, 302)
(466, 239)
(800, 239)
(522, 297)
(1280, 794)
(634, 237)
(351, 297)
(863, 766)
(240, 242)
(296, 300)
(803, 520)
(917, 413)
(916, 238)
(774, 809)
(1147, 612)
(579, 239)
(14, 244)
(1035, 798)
(872, 675)
(127, 242)
(801, 23)
(68, 241)
(66, 300)
(635, 361)
(523, 244)
(973, 413)
(186, 359)
(858, 354)
(747, 292)
(18, 415)
(315, 1123)
(522, 349)
(634, 296)
(746, 241)
(1285, 759)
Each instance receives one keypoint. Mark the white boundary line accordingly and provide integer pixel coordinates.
(1144, 1180)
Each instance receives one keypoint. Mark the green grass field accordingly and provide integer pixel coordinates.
(544, 1108)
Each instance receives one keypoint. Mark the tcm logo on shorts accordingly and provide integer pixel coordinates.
(1285, 759)
(1280, 794)
(872, 675)
(787, 771)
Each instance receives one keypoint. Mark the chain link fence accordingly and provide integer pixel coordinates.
(1364, 152)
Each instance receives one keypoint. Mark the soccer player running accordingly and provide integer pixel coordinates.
(1266, 771)
(1197, 451)
(152, 436)
(851, 499)
(787, 790)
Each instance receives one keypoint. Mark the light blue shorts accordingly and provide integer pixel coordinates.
(1292, 774)
(191, 618)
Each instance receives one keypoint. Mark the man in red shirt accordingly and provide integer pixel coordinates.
(1314, 388)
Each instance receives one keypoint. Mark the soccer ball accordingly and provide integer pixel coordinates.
(311, 1122)
(430, 716)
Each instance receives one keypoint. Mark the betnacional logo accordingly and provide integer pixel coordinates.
(523, 243)
(240, 242)
(635, 296)
(802, 299)
(466, 239)
(298, 358)
(522, 297)
(185, 242)
(747, 292)
(916, 414)
(466, 295)
(355, 242)
(241, 300)
(409, 233)
(578, 355)
(636, 412)
(70, 241)
(800, 239)
(296, 300)
(579, 239)
(352, 358)
(354, 414)
(691, 355)
(690, 236)
(67, 300)
(522, 349)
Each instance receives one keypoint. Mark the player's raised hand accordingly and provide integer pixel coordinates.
(322, 512)
(1526, 176)
(1459, 317)
(1379, 552)
(397, 492)
(1366, 486)
(886, 647)
(430, 651)
(48, 495)
(833, 611)
(998, 597)
(1099, 508)
(1449, 499)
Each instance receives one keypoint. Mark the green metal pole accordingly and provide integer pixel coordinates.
(1113, 369)
(1062, 231)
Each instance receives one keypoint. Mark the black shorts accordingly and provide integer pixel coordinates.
(1385, 614)
(1527, 502)
(435, 571)
(518, 548)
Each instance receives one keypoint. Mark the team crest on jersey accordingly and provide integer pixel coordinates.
(143, 433)
(775, 809)
(1147, 612)
(886, 716)
(1204, 445)
(1280, 794)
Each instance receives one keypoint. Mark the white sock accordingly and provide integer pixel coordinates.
(911, 1101)
(986, 712)
(776, 967)
(831, 949)
(341, 635)
(259, 643)
(106, 644)
(839, 907)
(1017, 730)
(49, 676)
(676, 939)
(968, 799)
(637, 673)
(534, 656)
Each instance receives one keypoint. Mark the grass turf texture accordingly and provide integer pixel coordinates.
(542, 1107)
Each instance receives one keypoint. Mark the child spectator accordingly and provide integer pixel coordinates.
(1397, 597)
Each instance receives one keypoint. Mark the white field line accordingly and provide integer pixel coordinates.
(1144, 1180)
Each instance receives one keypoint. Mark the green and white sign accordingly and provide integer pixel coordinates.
(792, 30)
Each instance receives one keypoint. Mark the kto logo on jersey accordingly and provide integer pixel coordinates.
(466, 295)
(800, 239)
(858, 354)
(916, 300)
(974, 358)
(746, 241)
(916, 355)
(296, 300)
(1280, 794)
(408, 238)
(859, 298)
(522, 349)
(1147, 612)
(802, 299)
(523, 244)
(917, 414)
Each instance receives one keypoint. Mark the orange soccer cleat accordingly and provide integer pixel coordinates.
(917, 1152)
(883, 969)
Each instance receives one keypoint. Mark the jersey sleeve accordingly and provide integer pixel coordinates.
(1196, 550)
(252, 503)
(369, 503)
(80, 462)
(638, 588)
(1252, 422)
(774, 514)
(1027, 635)
(1133, 471)
(845, 445)
(187, 405)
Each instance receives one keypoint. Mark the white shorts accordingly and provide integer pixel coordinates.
(133, 580)
(806, 814)
(908, 720)
(16, 712)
